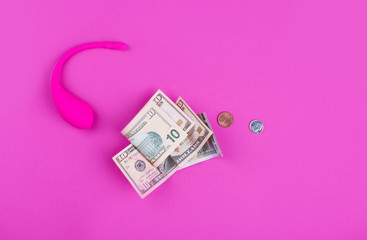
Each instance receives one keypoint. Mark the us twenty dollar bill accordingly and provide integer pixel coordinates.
(154, 134)
(210, 149)
(143, 176)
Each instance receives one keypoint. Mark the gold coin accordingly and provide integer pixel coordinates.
(225, 119)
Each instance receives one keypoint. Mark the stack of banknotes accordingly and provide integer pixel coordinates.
(164, 137)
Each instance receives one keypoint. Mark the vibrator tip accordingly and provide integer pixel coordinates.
(118, 45)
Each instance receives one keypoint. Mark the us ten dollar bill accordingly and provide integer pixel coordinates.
(154, 134)
(145, 178)
(141, 174)
(196, 132)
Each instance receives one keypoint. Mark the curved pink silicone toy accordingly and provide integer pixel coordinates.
(73, 109)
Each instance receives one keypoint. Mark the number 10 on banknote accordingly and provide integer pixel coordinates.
(154, 134)
(164, 137)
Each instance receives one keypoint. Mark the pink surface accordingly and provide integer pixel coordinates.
(298, 66)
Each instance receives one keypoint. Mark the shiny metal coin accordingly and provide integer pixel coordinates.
(256, 126)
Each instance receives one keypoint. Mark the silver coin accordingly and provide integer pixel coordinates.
(256, 126)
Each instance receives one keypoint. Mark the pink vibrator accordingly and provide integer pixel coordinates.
(73, 109)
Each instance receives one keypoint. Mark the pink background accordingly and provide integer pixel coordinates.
(298, 66)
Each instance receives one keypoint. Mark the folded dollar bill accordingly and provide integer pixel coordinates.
(164, 137)
(210, 149)
(154, 134)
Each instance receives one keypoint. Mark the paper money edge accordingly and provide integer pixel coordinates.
(218, 153)
(206, 121)
(139, 116)
(202, 123)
